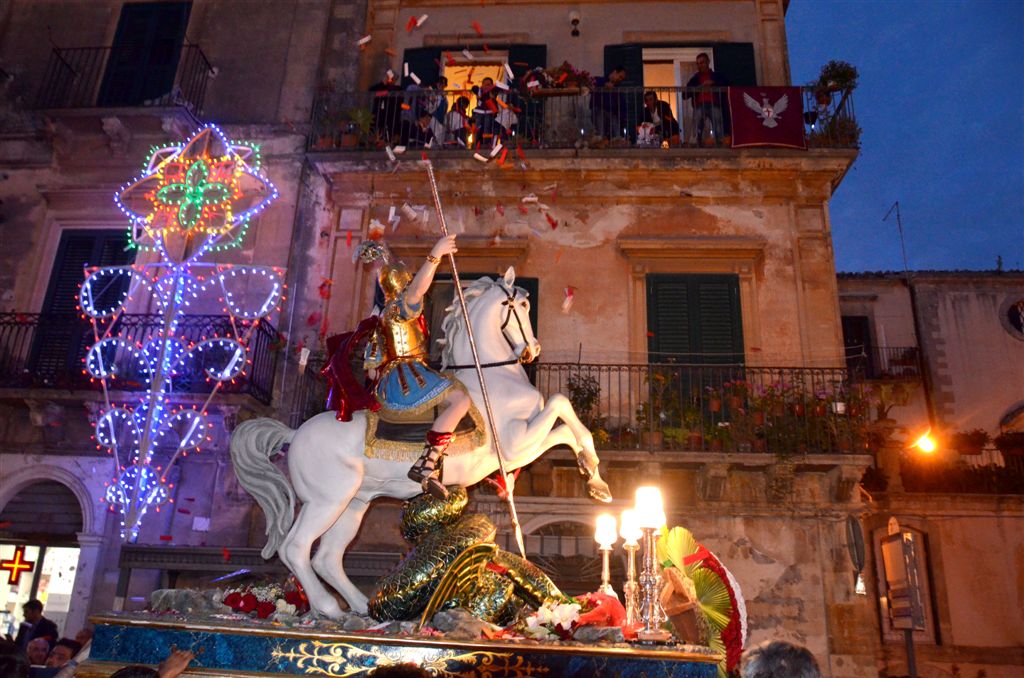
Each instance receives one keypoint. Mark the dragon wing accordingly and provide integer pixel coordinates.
(752, 104)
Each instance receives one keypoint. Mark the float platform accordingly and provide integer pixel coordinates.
(268, 649)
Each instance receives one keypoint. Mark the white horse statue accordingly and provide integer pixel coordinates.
(335, 479)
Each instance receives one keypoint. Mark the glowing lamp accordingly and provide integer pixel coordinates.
(629, 527)
(606, 534)
(925, 443)
(650, 510)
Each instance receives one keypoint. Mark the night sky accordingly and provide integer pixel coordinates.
(941, 103)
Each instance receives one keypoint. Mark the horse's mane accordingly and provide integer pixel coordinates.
(454, 325)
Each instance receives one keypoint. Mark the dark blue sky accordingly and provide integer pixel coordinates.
(941, 103)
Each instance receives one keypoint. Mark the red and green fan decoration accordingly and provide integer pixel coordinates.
(717, 594)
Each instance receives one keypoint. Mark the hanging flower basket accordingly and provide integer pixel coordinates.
(1010, 443)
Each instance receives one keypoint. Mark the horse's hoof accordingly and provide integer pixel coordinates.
(599, 490)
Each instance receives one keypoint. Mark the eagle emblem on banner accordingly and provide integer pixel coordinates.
(769, 113)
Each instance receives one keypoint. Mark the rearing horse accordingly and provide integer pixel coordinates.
(336, 481)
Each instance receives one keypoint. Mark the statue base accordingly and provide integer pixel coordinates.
(263, 649)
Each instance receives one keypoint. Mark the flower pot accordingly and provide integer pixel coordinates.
(735, 403)
(820, 409)
(349, 140)
(695, 441)
(760, 445)
(778, 409)
(758, 418)
(716, 445)
(652, 440)
(715, 404)
(797, 409)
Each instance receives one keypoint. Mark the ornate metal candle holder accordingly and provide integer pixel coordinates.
(651, 613)
(605, 535)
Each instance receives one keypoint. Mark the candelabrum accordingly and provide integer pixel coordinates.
(606, 575)
(651, 612)
(629, 589)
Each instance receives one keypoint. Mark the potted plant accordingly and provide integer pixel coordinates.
(970, 442)
(356, 128)
(718, 436)
(692, 423)
(1010, 443)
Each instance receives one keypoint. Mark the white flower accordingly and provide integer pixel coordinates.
(285, 608)
(565, 614)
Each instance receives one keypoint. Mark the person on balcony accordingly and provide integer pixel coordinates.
(419, 134)
(608, 105)
(659, 114)
(485, 114)
(457, 123)
(707, 104)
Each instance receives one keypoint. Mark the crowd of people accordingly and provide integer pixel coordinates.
(38, 650)
(437, 116)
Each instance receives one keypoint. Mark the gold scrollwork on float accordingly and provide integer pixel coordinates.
(338, 660)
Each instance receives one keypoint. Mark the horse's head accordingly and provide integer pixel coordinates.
(497, 308)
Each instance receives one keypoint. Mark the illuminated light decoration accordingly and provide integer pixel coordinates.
(191, 199)
(17, 566)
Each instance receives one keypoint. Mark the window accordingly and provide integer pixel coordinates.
(733, 60)
(61, 340)
(442, 294)
(859, 345)
(694, 319)
(144, 57)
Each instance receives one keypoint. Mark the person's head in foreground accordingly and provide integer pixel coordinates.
(13, 662)
(778, 659)
(63, 652)
(38, 649)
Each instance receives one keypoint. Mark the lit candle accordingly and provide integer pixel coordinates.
(606, 533)
(649, 508)
(629, 527)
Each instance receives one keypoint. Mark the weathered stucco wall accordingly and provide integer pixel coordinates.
(616, 220)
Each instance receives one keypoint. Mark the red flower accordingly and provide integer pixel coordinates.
(264, 610)
(601, 609)
(248, 603)
(233, 600)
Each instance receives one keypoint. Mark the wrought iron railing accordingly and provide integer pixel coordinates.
(48, 350)
(88, 77)
(728, 408)
(884, 362)
(559, 118)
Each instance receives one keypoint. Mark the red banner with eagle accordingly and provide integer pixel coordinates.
(767, 116)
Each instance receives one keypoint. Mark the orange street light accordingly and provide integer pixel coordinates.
(926, 443)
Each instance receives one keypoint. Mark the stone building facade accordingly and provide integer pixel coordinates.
(744, 232)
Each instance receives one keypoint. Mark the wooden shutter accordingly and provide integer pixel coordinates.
(423, 61)
(144, 58)
(735, 61)
(630, 57)
(46, 512)
(694, 319)
(62, 338)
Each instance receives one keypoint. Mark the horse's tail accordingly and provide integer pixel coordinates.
(253, 443)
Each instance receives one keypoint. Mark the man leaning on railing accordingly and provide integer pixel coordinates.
(707, 104)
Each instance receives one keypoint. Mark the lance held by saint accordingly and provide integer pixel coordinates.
(476, 363)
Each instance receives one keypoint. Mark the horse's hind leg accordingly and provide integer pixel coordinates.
(328, 559)
(314, 520)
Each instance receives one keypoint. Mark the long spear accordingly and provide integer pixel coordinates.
(476, 363)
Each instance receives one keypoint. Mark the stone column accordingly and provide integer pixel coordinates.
(89, 557)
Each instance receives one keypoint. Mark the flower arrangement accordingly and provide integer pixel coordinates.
(553, 620)
(266, 599)
(718, 594)
(564, 76)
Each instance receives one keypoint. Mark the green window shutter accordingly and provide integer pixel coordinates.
(424, 62)
(735, 61)
(630, 57)
(694, 319)
(523, 58)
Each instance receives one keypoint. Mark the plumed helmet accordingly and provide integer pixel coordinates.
(393, 279)
(394, 276)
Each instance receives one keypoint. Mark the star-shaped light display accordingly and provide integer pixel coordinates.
(196, 196)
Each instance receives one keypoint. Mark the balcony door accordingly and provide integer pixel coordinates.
(144, 57)
(62, 338)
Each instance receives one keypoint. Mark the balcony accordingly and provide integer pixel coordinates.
(108, 77)
(47, 351)
(692, 408)
(554, 119)
(884, 363)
